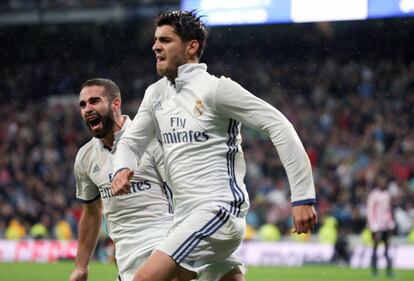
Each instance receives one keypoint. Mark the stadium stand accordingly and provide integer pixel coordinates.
(347, 87)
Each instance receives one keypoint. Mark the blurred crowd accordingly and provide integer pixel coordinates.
(30, 5)
(351, 104)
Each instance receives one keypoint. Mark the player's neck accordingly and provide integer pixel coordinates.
(118, 123)
(108, 140)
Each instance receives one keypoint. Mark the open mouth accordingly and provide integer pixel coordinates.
(160, 58)
(94, 122)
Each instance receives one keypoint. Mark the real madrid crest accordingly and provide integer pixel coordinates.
(198, 108)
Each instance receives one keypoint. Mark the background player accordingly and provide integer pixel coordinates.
(380, 221)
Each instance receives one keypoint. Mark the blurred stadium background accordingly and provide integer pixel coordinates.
(345, 81)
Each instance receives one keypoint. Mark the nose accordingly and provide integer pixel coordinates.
(88, 107)
(156, 46)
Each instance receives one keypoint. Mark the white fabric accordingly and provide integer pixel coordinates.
(137, 221)
(198, 122)
(204, 242)
(128, 273)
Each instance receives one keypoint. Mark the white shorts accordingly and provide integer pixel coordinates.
(204, 242)
(128, 273)
(215, 271)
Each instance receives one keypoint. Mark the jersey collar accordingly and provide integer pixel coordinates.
(186, 71)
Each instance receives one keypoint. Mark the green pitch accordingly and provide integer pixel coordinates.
(107, 272)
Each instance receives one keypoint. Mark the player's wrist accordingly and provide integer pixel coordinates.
(304, 202)
(82, 268)
(121, 170)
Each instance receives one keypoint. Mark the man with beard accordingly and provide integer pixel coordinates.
(136, 221)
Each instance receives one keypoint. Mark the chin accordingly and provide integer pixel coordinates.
(161, 72)
(96, 135)
(99, 135)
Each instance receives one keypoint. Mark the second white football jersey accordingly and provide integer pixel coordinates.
(136, 221)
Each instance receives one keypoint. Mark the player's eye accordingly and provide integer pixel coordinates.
(94, 100)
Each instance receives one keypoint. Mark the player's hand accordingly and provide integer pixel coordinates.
(79, 274)
(120, 183)
(304, 218)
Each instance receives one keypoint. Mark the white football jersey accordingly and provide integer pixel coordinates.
(198, 121)
(136, 221)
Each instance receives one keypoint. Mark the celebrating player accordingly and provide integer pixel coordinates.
(138, 220)
(197, 117)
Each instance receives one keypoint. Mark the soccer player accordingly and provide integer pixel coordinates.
(380, 221)
(197, 118)
(138, 220)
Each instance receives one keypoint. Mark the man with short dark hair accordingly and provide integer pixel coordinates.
(197, 117)
(138, 220)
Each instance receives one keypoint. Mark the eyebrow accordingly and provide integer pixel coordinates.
(160, 37)
(90, 99)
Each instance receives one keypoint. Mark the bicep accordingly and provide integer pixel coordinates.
(237, 103)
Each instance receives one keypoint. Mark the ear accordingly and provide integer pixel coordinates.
(192, 49)
(116, 104)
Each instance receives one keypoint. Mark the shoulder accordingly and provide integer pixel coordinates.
(226, 91)
(157, 87)
(84, 153)
(226, 83)
(373, 194)
(206, 84)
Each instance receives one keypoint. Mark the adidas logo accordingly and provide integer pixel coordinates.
(96, 169)
(158, 106)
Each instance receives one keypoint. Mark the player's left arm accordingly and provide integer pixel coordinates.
(237, 103)
(90, 221)
(304, 218)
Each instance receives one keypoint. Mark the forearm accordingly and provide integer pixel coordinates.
(296, 163)
(88, 233)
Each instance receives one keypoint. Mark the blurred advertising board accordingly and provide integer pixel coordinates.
(253, 253)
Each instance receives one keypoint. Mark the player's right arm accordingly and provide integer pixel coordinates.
(88, 233)
(91, 218)
(132, 145)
